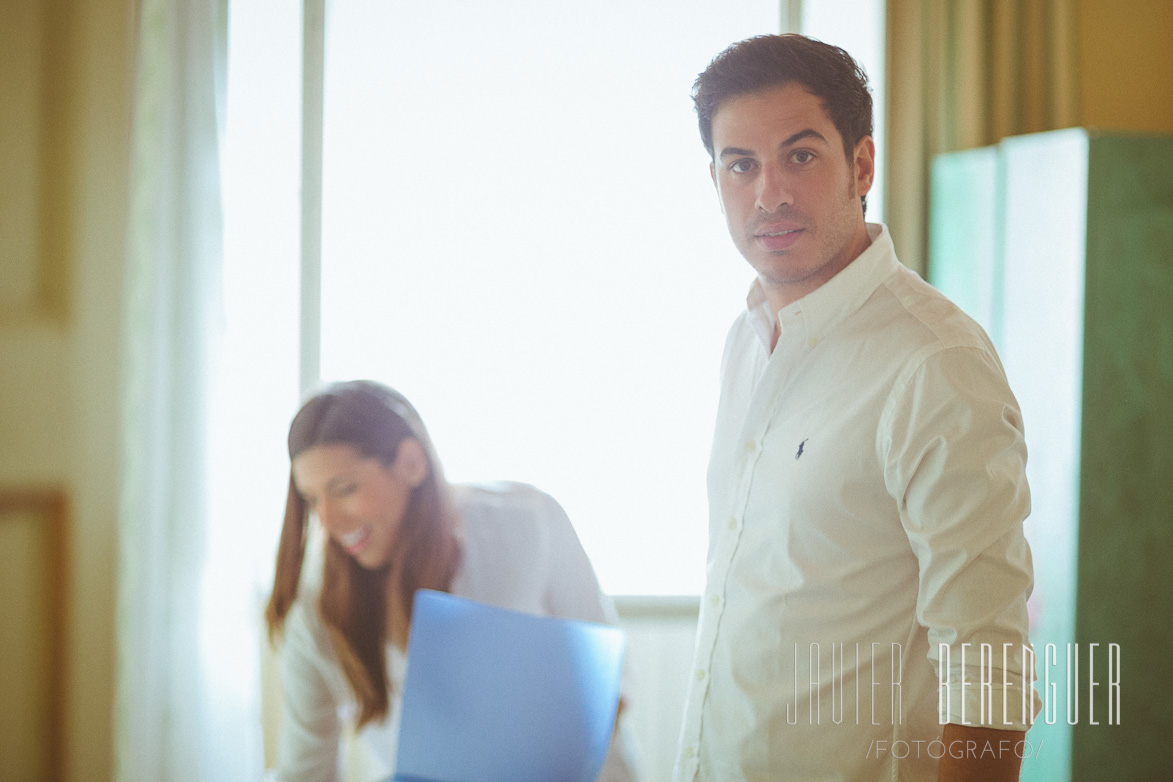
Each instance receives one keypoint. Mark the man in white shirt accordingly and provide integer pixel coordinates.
(865, 611)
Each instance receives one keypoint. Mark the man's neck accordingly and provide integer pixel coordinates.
(781, 295)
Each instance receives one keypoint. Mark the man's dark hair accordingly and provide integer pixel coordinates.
(765, 61)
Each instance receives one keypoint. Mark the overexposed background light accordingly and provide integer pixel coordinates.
(256, 390)
(520, 233)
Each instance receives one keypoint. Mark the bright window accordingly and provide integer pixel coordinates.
(256, 391)
(520, 233)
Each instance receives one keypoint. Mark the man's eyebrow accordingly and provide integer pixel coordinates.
(736, 152)
(800, 135)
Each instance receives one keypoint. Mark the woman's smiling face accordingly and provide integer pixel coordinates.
(359, 500)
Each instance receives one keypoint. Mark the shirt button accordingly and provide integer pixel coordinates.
(700, 674)
(812, 342)
(715, 600)
(751, 446)
(732, 523)
(690, 752)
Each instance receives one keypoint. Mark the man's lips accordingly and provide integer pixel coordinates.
(775, 238)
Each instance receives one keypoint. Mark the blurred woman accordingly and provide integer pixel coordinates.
(362, 462)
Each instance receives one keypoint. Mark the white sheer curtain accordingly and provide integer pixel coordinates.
(184, 710)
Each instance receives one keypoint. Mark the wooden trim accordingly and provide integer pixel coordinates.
(657, 606)
(35, 165)
(313, 91)
(51, 506)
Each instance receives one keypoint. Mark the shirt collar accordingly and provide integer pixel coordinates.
(832, 302)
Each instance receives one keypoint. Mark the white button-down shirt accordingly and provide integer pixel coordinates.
(866, 493)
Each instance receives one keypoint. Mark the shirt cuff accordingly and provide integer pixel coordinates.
(988, 695)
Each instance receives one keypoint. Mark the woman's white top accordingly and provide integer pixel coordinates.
(520, 552)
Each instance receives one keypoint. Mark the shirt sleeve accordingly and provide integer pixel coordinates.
(310, 723)
(572, 589)
(955, 462)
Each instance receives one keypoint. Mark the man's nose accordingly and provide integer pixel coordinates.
(773, 189)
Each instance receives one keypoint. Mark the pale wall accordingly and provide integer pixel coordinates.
(65, 98)
(1125, 51)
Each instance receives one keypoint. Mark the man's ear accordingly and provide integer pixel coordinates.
(717, 187)
(865, 165)
(411, 462)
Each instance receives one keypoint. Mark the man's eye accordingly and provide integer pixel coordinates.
(741, 166)
(802, 156)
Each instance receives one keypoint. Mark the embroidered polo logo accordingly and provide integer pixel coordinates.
(800, 447)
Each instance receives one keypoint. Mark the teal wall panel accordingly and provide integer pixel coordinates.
(1044, 207)
(1125, 589)
(964, 247)
(1077, 290)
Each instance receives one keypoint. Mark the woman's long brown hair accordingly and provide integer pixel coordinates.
(374, 420)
